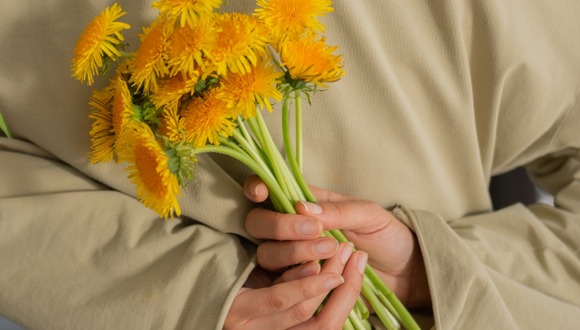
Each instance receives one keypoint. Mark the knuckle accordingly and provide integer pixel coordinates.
(354, 288)
(338, 208)
(306, 290)
(278, 230)
(301, 312)
(275, 302)
(249, 219)
(260, 252)
(263, 256)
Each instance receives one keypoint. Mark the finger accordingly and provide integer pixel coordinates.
(299, 272)
(304, 310)
(267, 224)
(360, 216)
(277, 298)
(343, 298)
(273, 255)
(334, 264)
(255, 189)
(323, 195)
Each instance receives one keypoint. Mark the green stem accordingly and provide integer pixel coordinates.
(251, 151)
(380, 310)
(404, 316)
(348, 325)
(246, 133)
(281, 171)
(290, 155)
(299, 143)
(226, 142)
(357, 322)
(254, 127)
(273, 187)
(125, 54)
(361, 308)
(4, 127)
(268, 150)
(401, 312)
(386, 303)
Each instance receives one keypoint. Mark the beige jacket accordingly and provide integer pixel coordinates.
(438, 97)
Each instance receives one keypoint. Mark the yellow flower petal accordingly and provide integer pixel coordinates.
(244, 92)
(111, 112)
(122, 117)
(188, 46)
(99, 39)
(291, 18)
(172, 89)
(206, 118)
(172, 126)
(149, 62)
(102, 132)
(241, 41)
(188, 11)
(156, 186)
(312, 60)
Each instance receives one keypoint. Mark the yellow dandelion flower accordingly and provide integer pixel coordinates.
(241, 41)
(149, 62)
(172, 126)
(206, 118)
(109, 105)
(99, 39)
(156, 186)
(292, 18)
(188, 46)
(246, 91)
(102, 133)
(188, 11)
(311, 60)
(172, 89)
(123, 117)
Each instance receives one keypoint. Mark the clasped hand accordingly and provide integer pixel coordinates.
(280, 295)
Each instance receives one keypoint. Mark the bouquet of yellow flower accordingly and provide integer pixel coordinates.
(197, 84)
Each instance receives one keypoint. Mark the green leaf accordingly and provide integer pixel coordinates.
(3, 126)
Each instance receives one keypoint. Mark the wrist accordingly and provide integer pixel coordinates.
(419, 294)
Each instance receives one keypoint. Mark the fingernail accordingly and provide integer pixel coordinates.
(325, 245)
(345, 253)
(255, 191)
(332, 282)
(309, 269)
(308, 227)
(362, 262)
(312, 208)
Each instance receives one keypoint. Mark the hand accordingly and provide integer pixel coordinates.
(392, 247)
(291, 299)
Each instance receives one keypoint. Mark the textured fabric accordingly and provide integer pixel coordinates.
(438, 97)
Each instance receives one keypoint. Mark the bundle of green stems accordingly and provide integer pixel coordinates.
(253, 145)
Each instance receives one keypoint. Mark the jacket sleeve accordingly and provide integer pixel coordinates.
(75, 254)
(519, 264)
